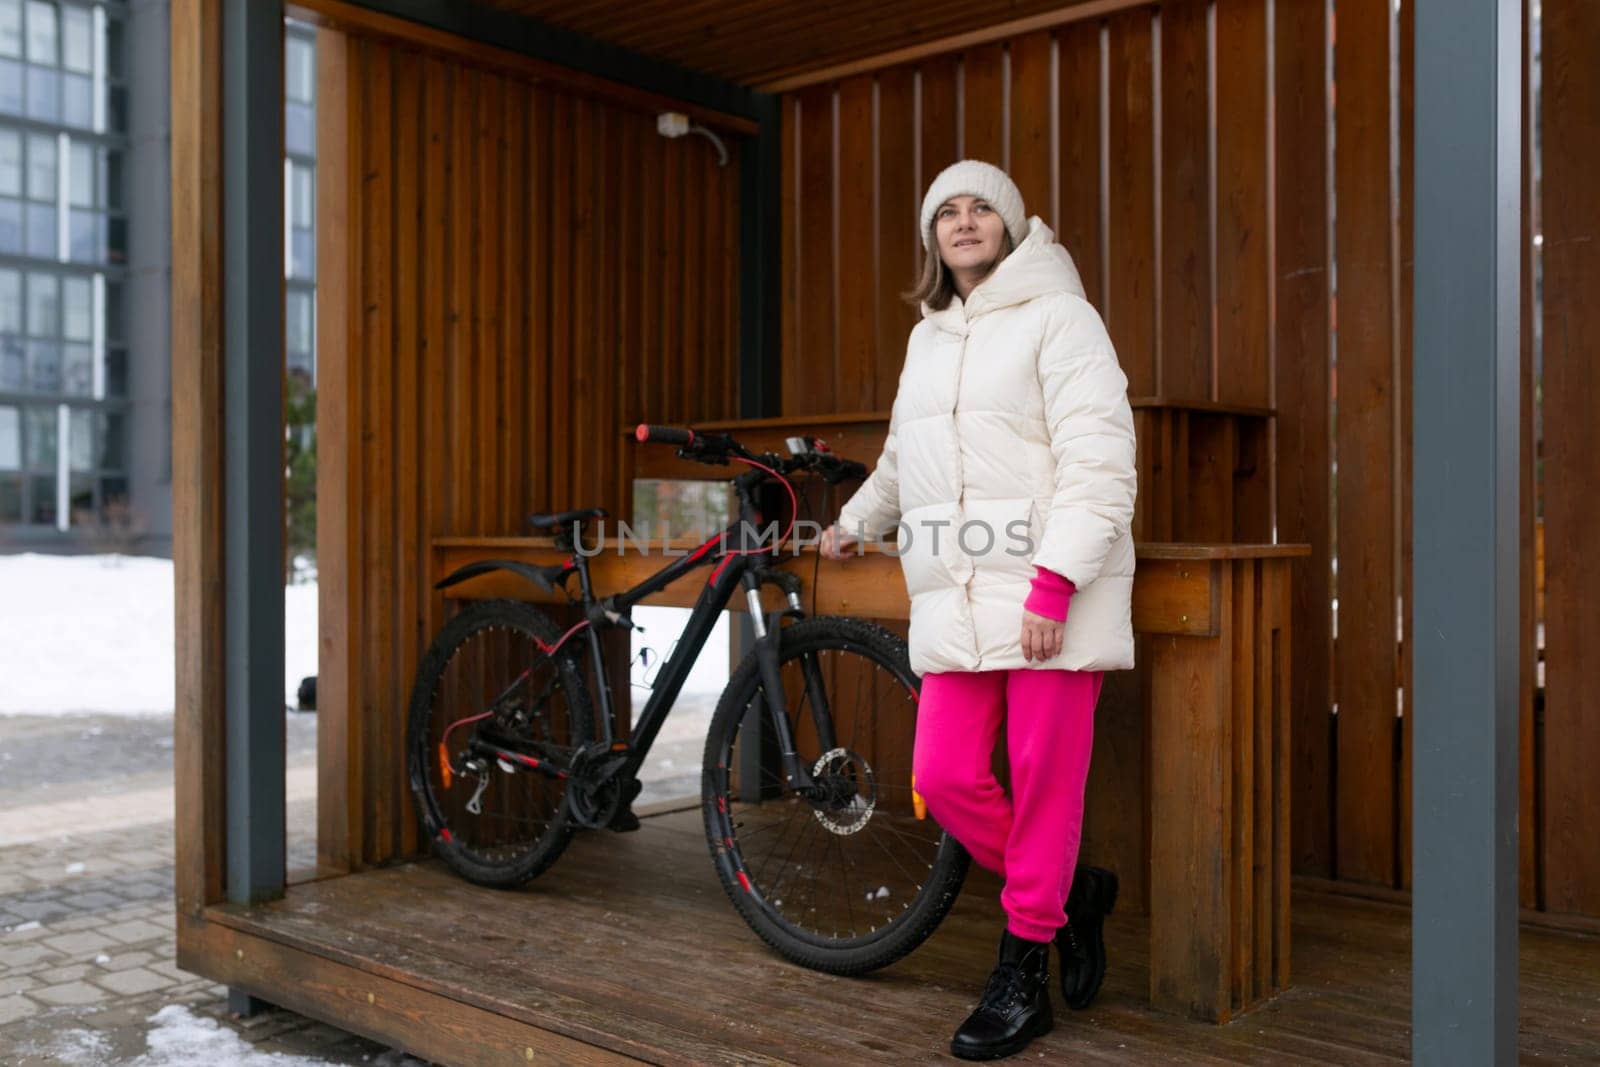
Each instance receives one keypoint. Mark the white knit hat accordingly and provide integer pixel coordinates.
(973, 177)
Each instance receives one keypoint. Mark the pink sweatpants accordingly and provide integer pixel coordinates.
(1029, 838)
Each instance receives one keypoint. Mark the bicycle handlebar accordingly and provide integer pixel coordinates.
(645, 433)
(806, 453)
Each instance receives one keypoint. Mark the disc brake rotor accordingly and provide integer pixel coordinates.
(844, 771)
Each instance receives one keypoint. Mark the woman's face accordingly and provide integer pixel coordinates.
(969, 232)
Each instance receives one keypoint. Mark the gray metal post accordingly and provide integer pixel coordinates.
(1465, 503)
(252, 256)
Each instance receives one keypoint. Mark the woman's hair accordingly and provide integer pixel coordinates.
(935, 286)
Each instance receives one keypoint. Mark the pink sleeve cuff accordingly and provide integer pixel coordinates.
(1050, 594)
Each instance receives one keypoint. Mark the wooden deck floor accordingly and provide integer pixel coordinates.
(628, 948)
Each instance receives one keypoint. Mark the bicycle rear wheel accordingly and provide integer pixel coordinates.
(854, 883)
(485, 684)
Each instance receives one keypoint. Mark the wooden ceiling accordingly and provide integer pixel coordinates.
(768, 43)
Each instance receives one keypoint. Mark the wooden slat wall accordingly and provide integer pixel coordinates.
(1570, 114)
(1197, 198)
(507, 281)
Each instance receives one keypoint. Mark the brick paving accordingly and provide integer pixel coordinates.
(87, 948)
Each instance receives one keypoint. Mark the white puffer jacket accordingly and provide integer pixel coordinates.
(1010, 444)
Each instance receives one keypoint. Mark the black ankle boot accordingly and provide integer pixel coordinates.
(1015, 1007)
(1081, 940)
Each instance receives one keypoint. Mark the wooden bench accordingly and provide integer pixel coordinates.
(1214, 626)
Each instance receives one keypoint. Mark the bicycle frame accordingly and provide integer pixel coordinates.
(731, 567)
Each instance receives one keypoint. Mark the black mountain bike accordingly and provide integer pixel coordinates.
(813, 826)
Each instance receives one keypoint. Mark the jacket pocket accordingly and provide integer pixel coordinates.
(929, 555)
(998, 537)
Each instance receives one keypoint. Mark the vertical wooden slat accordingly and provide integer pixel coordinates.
(1242, 222)
(653, 366)
(435, 251)
(790, 128)
(338, 551)
(1366, 523)
(1527, 474)
(1246, 649)
(983, 120)
(1030, 163)
(1405, 45)
(692, 153)
(857, 237)
(1301, 316)
(1078, 131)
(1130, 289)
(810, 387)
(198, 756)
(1185, 307)
(377, 425)
(407, 601)
(940, 134)
(562, 146)
(673, 408)
(900, 249)
(1569, 115)
(515, 318)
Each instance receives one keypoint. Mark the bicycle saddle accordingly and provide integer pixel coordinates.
(545, 520)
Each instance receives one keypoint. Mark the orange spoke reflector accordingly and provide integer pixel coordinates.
(919, 805)
(444, 765)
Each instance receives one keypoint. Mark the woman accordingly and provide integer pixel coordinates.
(1008, 471)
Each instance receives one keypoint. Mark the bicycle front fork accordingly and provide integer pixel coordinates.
(769, 631)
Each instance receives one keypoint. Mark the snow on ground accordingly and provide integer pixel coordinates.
(180, 1038)
(94, 634)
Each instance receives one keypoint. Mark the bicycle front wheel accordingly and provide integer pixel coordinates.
(853, 882)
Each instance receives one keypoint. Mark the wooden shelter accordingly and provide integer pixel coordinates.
(515, 266)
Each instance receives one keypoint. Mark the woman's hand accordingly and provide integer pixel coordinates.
(835, 540)
(1041, 637)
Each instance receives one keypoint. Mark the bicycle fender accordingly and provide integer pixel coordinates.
(543, 577)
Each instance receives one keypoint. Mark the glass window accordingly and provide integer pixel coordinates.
(13, 364)
(10, 27)
(11, 82)
(114, 31)
(81, 171)
(113, 310)
(300, 324)
(40, 428)
(300, 62)
(44, 94)
(302, 195)
(11, 226)
(77, 370)
(44, 367)
(80, 441)
(77, 39)
(44, 500)
(10, 499)
(42, 167)
(44, 295)
(10, 439)
(299, 129)
(78, 308)
(10, 163)
(302, 255)
(86, 232)
(42, 237)
(10, 301)
(77, 101)
(41, 32)
(112, 428)
(116, 372)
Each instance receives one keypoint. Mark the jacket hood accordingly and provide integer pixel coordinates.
(1039, 265)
